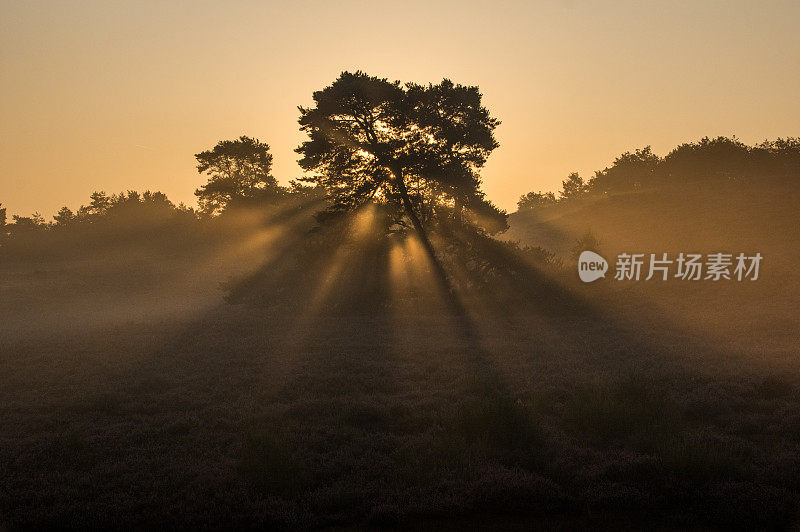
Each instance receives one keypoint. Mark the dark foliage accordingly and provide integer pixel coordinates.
(414, 149)
(238, 170)
(701, 165)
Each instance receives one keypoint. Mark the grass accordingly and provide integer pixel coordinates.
(346, 428)
(151, 403)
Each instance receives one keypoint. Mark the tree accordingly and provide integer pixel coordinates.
(99, 204)
(630, 171)
(573, 186)
(708, 160)
(2, 215)
(535, 200)
(28, 223)
(236, 169)
(414, 149)
(778, 160)
(64, 217)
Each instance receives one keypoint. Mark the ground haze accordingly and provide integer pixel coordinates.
(135, 394)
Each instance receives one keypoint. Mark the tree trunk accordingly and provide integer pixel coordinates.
(423, 235)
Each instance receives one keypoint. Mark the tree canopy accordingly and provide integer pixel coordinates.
(705, 163)
(417, 150)
(535, 200)
(236, 169)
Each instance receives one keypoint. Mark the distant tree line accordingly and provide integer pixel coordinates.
(703, 164)
(131, 208)
(238, 173)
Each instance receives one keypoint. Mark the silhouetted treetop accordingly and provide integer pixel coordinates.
(64, 217)
(573, 186)
(236, 169)
(99, 202)
(535, 200)
(416, 149)
(630, 171)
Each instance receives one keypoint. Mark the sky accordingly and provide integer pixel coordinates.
(109, 95)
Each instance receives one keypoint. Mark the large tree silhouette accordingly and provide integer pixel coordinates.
(416, 149)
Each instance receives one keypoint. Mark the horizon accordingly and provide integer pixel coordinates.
(123, 96)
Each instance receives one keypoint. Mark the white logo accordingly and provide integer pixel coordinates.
(591, 266)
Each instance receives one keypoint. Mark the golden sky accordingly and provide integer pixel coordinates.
(112, 95)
